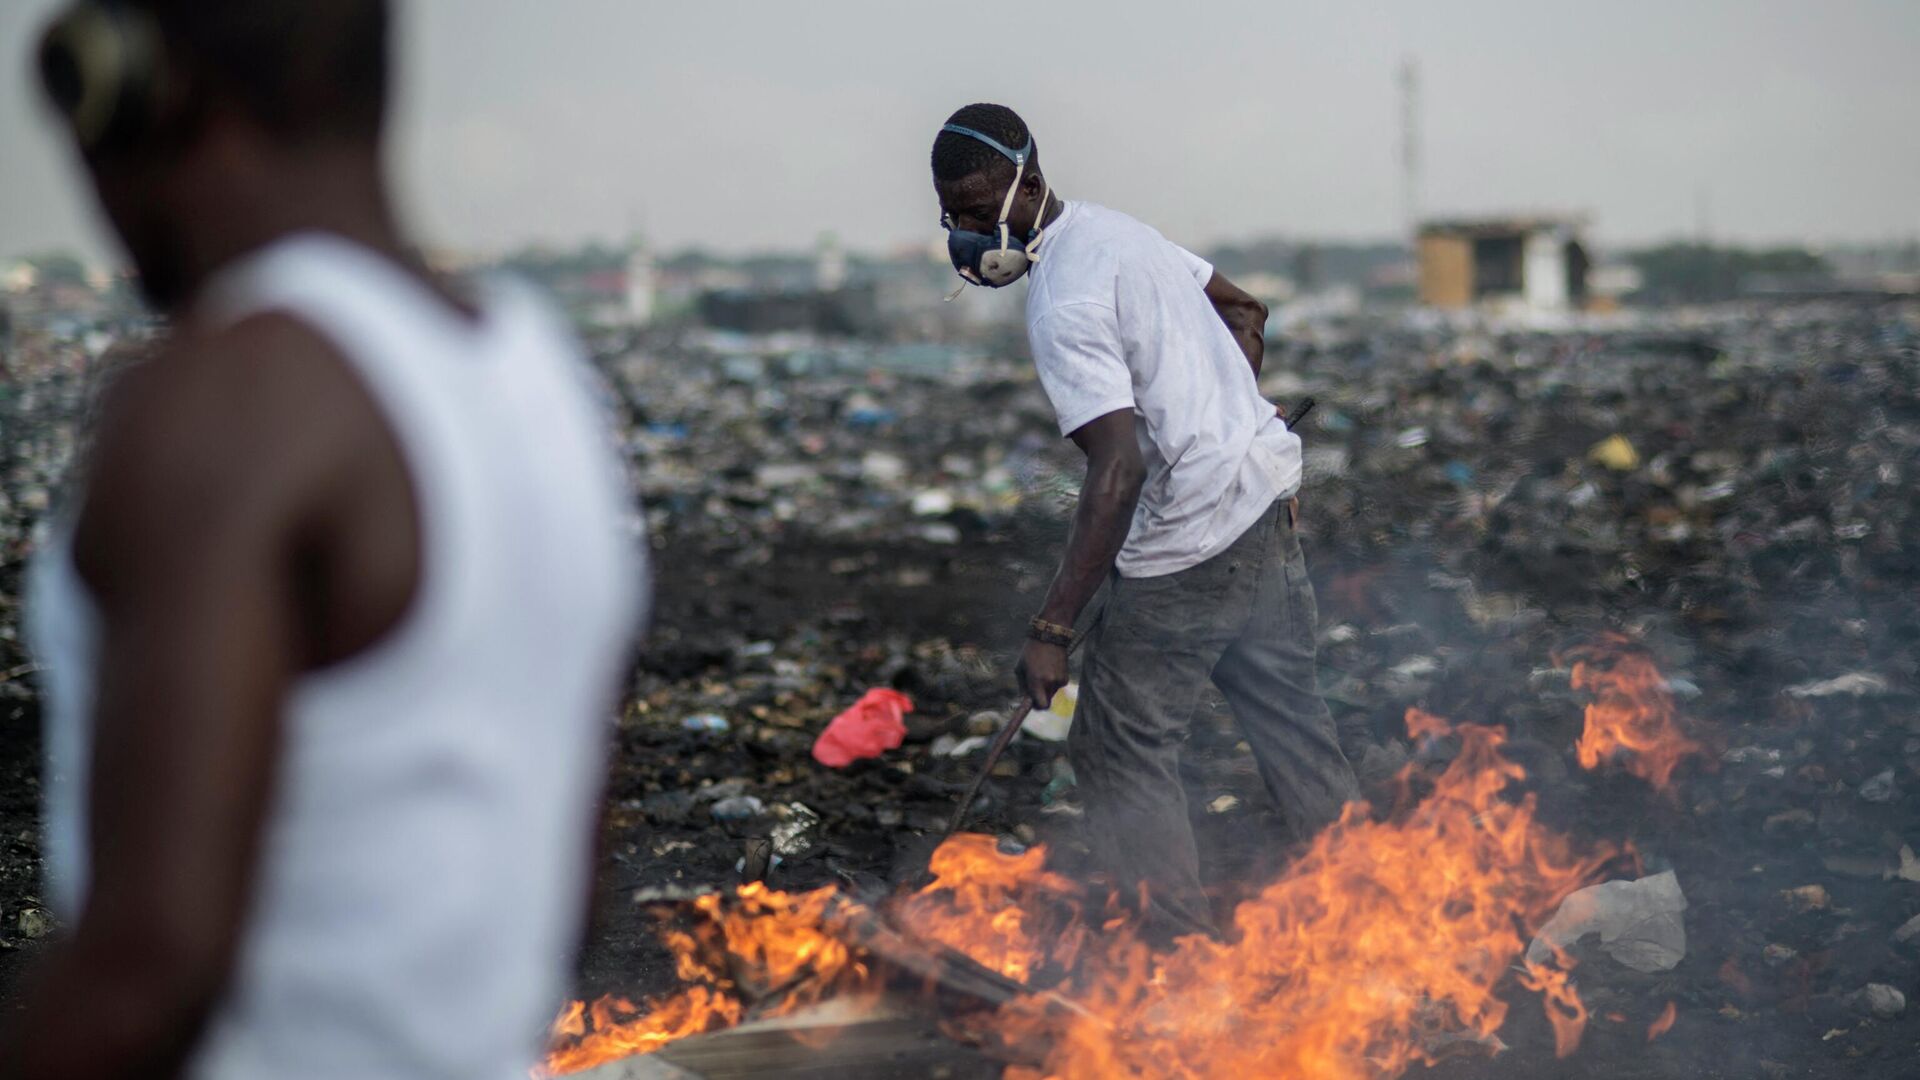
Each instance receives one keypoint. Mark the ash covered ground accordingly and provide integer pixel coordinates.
(1756, 531)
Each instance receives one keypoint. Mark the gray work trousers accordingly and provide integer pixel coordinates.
(1246, 619)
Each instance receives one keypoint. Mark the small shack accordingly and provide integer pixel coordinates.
(1538, 264)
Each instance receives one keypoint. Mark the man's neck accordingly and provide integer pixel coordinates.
(337, 190)
(1054, 208)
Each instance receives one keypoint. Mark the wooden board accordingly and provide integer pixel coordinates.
(819, 1044)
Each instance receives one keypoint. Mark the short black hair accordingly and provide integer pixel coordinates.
(957, 156)
(302, 68)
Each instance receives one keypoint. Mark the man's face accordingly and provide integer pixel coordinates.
(972, 203)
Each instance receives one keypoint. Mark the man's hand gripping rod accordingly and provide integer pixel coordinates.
(994, 750)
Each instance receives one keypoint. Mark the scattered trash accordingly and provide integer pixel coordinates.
(1415, 667)
(875, 724)
(1806, 898)
(1223, 804)
(1909, 869)
(737, 808)
(932, 503)
(1879, 788)
(1908, 930)
(757, 858)
(793, 836)
(1778, 955)
(1796, 818)
(1881, 1000)
(710, 722)
(1053, 724)
(1856, 683)
(712, 792)
(1683, 688)
(1861, 867)
(879, 467)
(1639, 923)
(34, 923)
(985, 722)
(1616, 453)
(948, 746)
(1061, 782)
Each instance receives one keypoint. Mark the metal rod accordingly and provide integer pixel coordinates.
(998, 747)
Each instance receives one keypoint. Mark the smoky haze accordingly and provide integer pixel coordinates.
(741, 126)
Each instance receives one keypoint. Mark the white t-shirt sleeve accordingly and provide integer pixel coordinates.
(1076, 349)
(1202, 269)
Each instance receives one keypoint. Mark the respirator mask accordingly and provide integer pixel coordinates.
(995, 259)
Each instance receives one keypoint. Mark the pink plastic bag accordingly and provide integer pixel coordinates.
(872, 727)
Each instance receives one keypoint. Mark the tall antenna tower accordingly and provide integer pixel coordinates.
(1410, 146)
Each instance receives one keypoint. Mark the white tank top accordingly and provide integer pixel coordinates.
(426, 859)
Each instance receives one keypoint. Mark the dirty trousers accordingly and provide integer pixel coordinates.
(1246, 619)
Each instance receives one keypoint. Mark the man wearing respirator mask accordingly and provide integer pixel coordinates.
(1150, 359)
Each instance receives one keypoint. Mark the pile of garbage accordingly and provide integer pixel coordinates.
(1732, 490)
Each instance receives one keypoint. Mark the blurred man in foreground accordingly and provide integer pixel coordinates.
(1149, 358)
(333, 629)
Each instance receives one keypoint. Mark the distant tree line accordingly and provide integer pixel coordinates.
(1693, 273)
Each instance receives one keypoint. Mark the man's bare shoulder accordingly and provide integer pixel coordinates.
(237, 428)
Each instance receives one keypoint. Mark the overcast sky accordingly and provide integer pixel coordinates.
(742, 126)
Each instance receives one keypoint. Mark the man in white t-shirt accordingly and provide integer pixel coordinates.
(1150, 360)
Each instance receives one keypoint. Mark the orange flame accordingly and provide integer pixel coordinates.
(1632, 711)
(776, 945)
(1382, 946)
(619, 1029)
(1006, 912)
(1664, 1023)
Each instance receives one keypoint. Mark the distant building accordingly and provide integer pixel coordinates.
(829, 264)
(1532, 264)
(640, 284)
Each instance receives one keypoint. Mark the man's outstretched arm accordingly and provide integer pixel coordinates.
(1244, 316)
(184, 543)
(1100, 525)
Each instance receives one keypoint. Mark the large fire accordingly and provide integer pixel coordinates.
(1632, 715)
(1382, 946)
(1379, 947)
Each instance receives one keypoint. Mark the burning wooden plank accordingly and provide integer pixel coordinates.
(827, 1042)
(819, 980)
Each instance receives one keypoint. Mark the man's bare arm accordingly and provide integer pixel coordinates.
(1244, 316)
(186, 543)
(1100, 526)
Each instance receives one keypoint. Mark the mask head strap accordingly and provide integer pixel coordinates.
(1018, 157)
